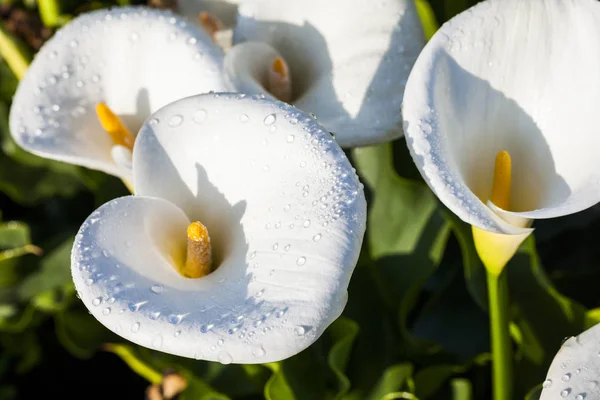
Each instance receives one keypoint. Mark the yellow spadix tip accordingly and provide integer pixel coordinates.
(279, 82)
(114, 126)
(198, 262)
(280, 67)
(210, 23)
(502, 180)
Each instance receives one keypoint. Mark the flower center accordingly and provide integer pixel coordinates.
(118, 132)
(210, 23)
(199, 259)
(502, 181)
(279, 80)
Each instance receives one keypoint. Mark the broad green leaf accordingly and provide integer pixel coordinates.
(544, 316)
(343, 332)
(54, 273)
(80, 333)
(15, 242)
(393, 379)
(400, 209)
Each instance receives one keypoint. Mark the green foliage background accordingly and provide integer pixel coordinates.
(415, 327)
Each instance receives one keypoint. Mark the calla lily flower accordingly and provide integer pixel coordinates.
(509, 85)
(347, 65)
(239, 242)
(90, 87)
(575, 370)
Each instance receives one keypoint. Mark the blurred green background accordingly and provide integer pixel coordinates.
(415, 327)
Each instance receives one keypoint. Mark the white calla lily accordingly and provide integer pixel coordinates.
(134, 59)
(516, 76)
(285, 213)
(575, 370)
(348, 64)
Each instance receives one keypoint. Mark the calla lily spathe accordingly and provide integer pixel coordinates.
(286, 216)
(135, 60)
(516, 76)
(575, 370)
(348, 62)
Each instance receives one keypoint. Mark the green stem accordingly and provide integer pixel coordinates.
(499, 329)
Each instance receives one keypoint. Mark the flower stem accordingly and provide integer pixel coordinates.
(499, 329)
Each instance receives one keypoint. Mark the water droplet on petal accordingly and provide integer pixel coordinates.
(258, 351)
(157, 341)
(299, 330)
(306, 223)
(177, 333)
(581, 396)
(566, 377)
(317, 237)
(200, 116)
(290, 138)
(135, 328)
(97, 301)
(301, 261)
(565, 392)
(158, 289)
(106, 311)
(225, 358)
(269, 119)
(175, 120)
(547, 383)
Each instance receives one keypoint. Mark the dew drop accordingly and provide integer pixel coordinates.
(258, 351)
(135, 328)
(153, 121)
(566, 377)
(157, 341)
(565, 392)
(206, 328)
(547, 383)
(158, 289)
(106, 311)
(89, 281)
(299, 330)
(244, 118)
(175, 120)
(290, 138)
(288, 247)
(592, 385)
(269, 119)
(306, 223)
(275, 246)
(581, 396)
(177, 333)
(200, 116)
(317, 237)
(301, 261)
(97, 301)
(154, 315)
(174, 319)
(225, 358)
(192, 41)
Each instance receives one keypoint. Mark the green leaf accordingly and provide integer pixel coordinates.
(400, 209)
(80, 333)
(543, 316)
(54, 273)
(343, 332)
(15, 242)
(393, 379)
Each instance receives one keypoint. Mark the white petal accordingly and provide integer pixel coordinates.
(511, 75)
(349, 64)
(575, 370)
(246, 67)
(134, 59)
(286, 219)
